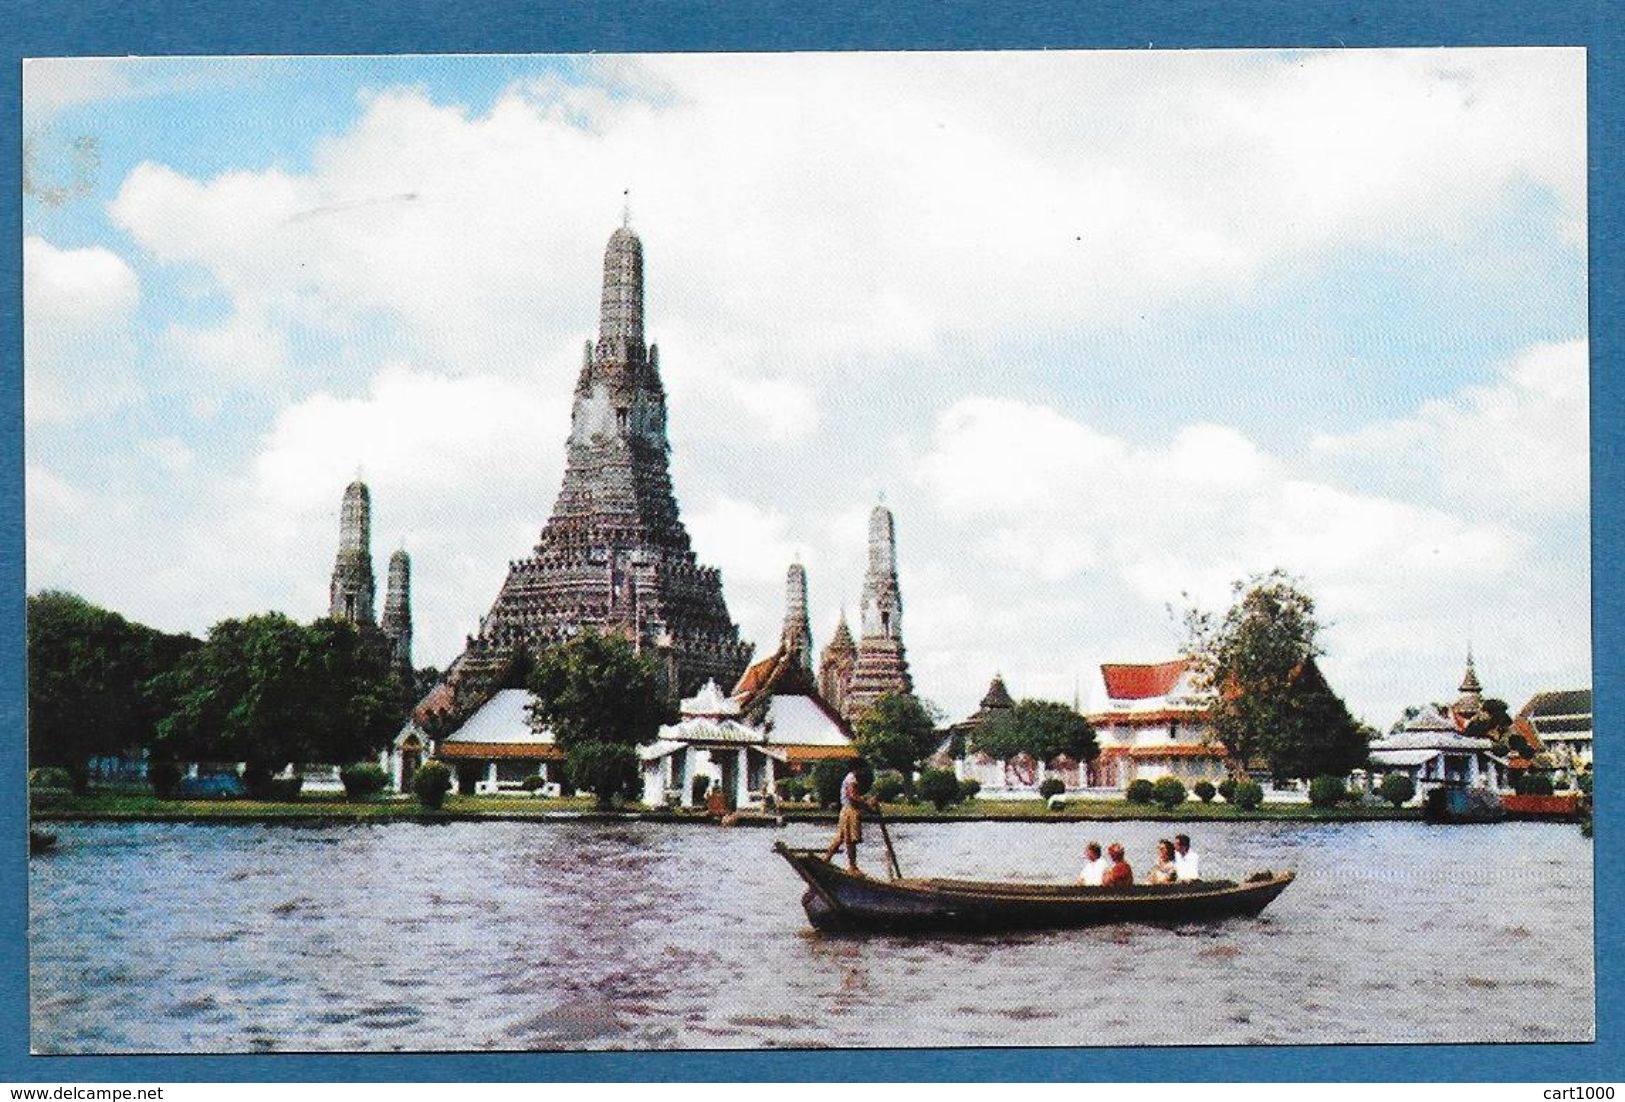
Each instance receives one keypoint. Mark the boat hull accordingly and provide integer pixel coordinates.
(837, 900)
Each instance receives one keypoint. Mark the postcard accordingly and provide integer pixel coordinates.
(812, 550)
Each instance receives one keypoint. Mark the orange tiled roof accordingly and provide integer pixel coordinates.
(818, 753)
(1141, 682)
(487, 751)
(1144, 719)
(1177, 750)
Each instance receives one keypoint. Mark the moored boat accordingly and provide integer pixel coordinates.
(40, 842)
(840, 900)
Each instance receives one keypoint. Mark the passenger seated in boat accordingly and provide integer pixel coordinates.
(1186, 860)
(1119, 874)
(1164, 871)
(1094, 866)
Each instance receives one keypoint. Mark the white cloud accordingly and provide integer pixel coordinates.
(77, 348)
(1051, 508)
(1517, 448)
(834, 213)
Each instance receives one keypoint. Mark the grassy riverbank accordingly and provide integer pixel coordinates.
(137, 807)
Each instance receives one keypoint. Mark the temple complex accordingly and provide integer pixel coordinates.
(614, 556)
(880, 666)
(350, 593)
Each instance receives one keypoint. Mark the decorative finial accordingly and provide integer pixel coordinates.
(626, 208)
(882, 497)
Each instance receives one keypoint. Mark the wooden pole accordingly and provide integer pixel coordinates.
(896, 870)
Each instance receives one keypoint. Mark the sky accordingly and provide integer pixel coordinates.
(1108, 330)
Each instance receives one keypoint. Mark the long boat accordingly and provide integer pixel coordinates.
(839, 900)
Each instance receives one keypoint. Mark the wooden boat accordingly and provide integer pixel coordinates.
(839, 900)
(40, 842)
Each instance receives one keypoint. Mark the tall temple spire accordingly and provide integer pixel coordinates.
(614, 556)
(620, 314)
(797, 634)
(397, 619)
(881, 666)
(350, 593)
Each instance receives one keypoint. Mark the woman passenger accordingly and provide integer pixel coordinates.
(1164, 871)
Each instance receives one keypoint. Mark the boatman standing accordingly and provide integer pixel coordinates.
(1186, 860)
(849, 827)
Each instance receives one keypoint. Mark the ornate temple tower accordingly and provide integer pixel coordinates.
(797, 634)
(881, 667)
(835, 667)
(1471, 700)
(614, 556)
(351, 591)
(397, 619)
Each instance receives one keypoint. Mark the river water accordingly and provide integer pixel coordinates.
(565, 935)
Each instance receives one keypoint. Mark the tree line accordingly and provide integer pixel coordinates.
(267, 691)
(264, 690)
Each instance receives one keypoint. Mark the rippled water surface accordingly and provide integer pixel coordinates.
(559, 935)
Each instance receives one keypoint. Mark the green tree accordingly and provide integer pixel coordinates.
(596, 692)
(1040, 728)
(896, 732)
(270, 692)
(1270, 703)
(1494, 722)
(827, 777)
(89, 675)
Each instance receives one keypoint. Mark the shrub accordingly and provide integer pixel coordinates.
(1051, 786)
(1057, 803)
(1397, 788)
(1141, 791)
(1227, 790)
(1248, 795)
(1583, 782)
(50, 778)
(968, 789)
(532, 783)
(1169, 792)
(699, 788)
(431, 783)
(285, 789)
(792, 788)
(827, 778)
(888, 787)
(165, 778)
(1204, 791)
(363, 779)
(1532, 784)
(940, 787)
(1327, 790)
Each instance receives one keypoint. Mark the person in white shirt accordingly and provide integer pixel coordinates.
(1186, 860)
(1094, 866)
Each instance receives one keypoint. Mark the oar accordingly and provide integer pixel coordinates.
(885, 836)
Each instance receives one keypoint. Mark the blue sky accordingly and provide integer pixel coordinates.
(1108, 329)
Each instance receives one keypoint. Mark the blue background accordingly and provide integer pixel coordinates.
(77, 27)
